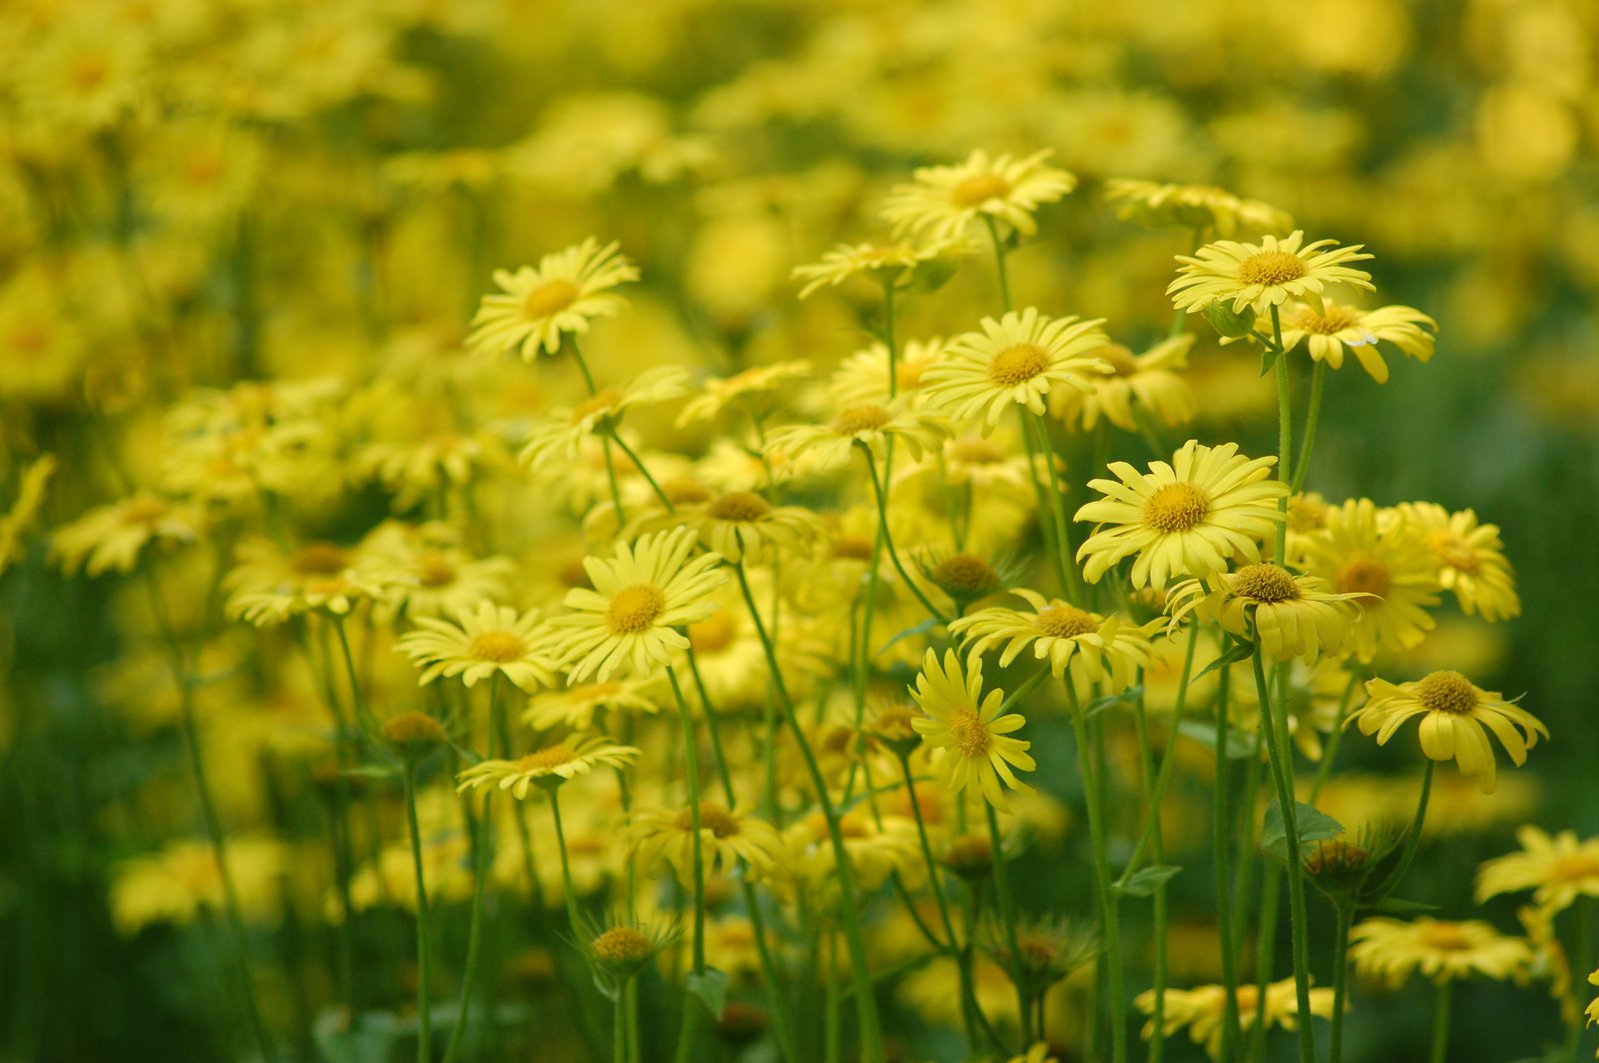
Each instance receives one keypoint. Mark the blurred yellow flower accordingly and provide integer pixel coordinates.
(1197, 208)
(1108, 650)
(1358, 553)
(539, 305)
(1390, 950)
(487, 640)
(1203, 1010)
(1559, 869)
(1149, 380)
(548, 766)
(943, 201)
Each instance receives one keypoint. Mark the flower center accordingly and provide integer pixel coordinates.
(624, 944)
(852, 547)
(1363, 574)
(1177, 507)
(1336, 319)
(414, 729)
(499, 647)
(1065, 621)
(969, 733)
(1448, 692)
(740, 506)
(1121, 360)
(573, 574)
(853, 825)
(29, 339)
(541, 761)
(320, 559)
(683, 491)
(1018, 364)
(1575, 867)
(88, 72)
(1265, 583)
(714, 818)
(978, 189)
(1269, 268)
(143, 510)
(1447, 937)
(435, 570)
(1452, 550)
(965, 574)
(975, 450)
(549, 298)
(605, 400)
(861, 419)
(894, 724)
(713, 634)
(634, 609)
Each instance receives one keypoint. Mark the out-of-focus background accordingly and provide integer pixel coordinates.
(195, 193)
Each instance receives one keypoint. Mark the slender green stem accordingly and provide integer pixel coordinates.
(1007, 916)
(1057, 508)
(554, 790)
(1584, 955)
(1346, 916)
(833, 1027)
(1000, 267)
(357, 698)
(1275, 722)
(1047, 528)
(865, 999)
(424, 963)
(1157, 1018)
(1110, 918)
(1285, 438)
(691, 761)
(1232, 1031)
(480, 874)
(638, 463)
(1440, 1023)
(605, 440)
(1318, 384)
(933, 882)
(1413, 837)
(619, 1025)
(881, 494)
(1167, 760)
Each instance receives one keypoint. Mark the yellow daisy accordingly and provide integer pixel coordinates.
(1357, 552)
(1390, 950)
(943, 201)
(1264, 275)
(1559, 869)
(549, 766)
(892, 262)
(743, 526)
(1292, 616)
(1150, 379)
(489, 640)
(870, 424)
(755, 389)
(1471, 559)
(968, 729)
(557, 435)
(1097, 649)
(1192, 207)
(1335, 328)
(862, 378)
(875, 847)
(629, 620)
(433, 574)
(728, 838)
(1455, 718)
(1211, 504)
(1016, 359)
(112, 537)
(539, 305)
(268, 587)
(1203, 1010)
(574, 707)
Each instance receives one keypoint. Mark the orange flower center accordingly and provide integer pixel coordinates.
(1363, 574)
(624, 944)
(549, 298)
(143, 510)
(604, 401)
(1265, 583)
(435, 570)
(853, 825)
(1271, 268)
(713, 634)
(499, 647)
(1122, 362)
(1065, 621)
(1336, 319)
(740, 507)
(320, 559)
(1018, 364)
(713, 817)
(861, 419)
(1452, 550)
(978, 189)
(853, 547)
(683, 491)
(1575, 867)
(1177, 507)
(968, 733)
(966, 574)
(975, 450)
(1448, 692)
(634, 609)
(541, 761)
(1447, 937)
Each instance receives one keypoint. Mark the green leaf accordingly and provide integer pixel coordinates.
(1399, 906)
(372, 771)
(1268, 358)
(1143, 883)
(1240, 744)
(1314, 826)
(931, 275)
(1237, 651)
(920, 629)
(710, 985)
(1099, 705)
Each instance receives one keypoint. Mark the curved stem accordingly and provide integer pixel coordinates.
(999, 262)
(1157, 1018)
(638, 463)
(1413, 837)
(1047, 528)
(888, 540)
(1057, 508)
(566, 865)
(1440, 1023)
(424, 963)
(605, 440)
(1318, 384)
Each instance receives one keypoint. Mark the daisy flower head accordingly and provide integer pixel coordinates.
(548, 766)
(892, 264)
(756, 389)
(742, 526)
(942, 201)
(1192, 207)
(112, 538)
(268, 586)
(866, 424)
(1096, 648)
(1456, 716)
(1203, 1010)
(1357, 550)
(576, 706)
(1333, 329)
(539, 305)
(487, 640)
(1261, 276)
(1016, 359)
(557, 436)
(1189, 517)
(967, 727)
(1391, 950)
(1150, 379)
(1291, 616)
(864, 376)
(628, 621)
(1470, 556)
(729, 838)
(1558, 869)
(875, 847)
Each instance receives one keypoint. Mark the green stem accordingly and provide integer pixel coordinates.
(1109, 917)
(1285, 439)
(1318, 384)
(1413, 837)
(999, 262)
(865, 1000)
(1584, 956)
(619, 1025)
(424, 963)
(1047, 529)
(638, 463)
(1440, 1023)
(1007, 916)
(566, 866)
(1167, 760)
(691, 761)
(881, 494)
(1157, 1043)
(474, 937)
(605, 440)
(1232, 1031)
(1057, 508)
(1346, 915)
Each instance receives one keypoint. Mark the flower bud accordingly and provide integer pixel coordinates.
(1228, 322)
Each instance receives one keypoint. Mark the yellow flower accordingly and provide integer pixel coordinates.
(184, 878)
(574, 707)
(268, 587)
(1038, 1053)
(863, 377)
(629, 620)
(1203, 1010)
(875, 848)
(1097, 649)
(1391, 950)
(1192, 207)
(1334, 328)
(24, 508)
(434, 575)
(968, 729)
(755, 388)
(42, 346)
(539, 305)
(943, 201)
(1560, 869)
(870, 424)
(743, 526)
(1263, 275)
(1471, 559)
(893, 263)
(548, 766)
(1292, 616)
(1211, 504)
(727, 838)
(1016, 359)
(1149, 379)
(112, 537)
(490, 639)
(556, 436)
(1455, 718)
(1357, 552)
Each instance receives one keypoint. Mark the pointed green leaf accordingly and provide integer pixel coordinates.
(1314, 826)
(710, 985)
(1240, 744)
(1099, 705)
(1144, 882)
